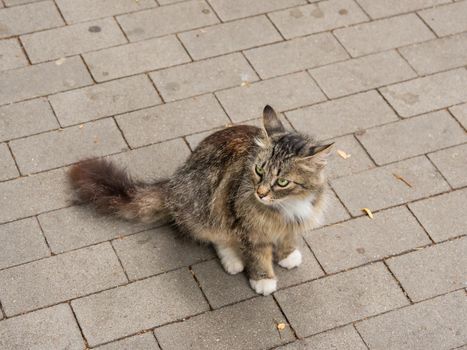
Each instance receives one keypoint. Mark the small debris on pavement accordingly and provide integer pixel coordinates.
(368, 212)
(398, 177)
(343, 154)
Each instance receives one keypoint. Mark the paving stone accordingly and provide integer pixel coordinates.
(357, 162)
(228, 10)
(156, 251)
(22, 241)
(42, 79)
(448, 19)
(135, 58)
(12, 55)
(7, 164)
(379, 188)
(221, 329)
(460, 112)
(442, 216)
(435, 324)
(32, 195)
(145, 341)
(26, 118)
(319, 17)
(71, 40)
(29, 18)
(104, 100)
(362, 240)
(167, 20)
(287, 92)
(204, 76)
(345, 338)
(59, 278)
(343, 116)
(428, 93)
(18, 2)
(84, 10)
(66, 146)
(228, 37)
(52, 328)
(384, 34)
(330, 302)
(138, 306)
(432, 271)
(362, 73)
(437, 55)
(386, 8)
(451, 163)
(171, 120)
(335, 212)
(301, 53)
(412, 137)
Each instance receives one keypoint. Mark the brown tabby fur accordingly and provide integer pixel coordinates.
(215, 196)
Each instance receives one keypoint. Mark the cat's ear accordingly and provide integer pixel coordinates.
(271, 121)
(318, 157)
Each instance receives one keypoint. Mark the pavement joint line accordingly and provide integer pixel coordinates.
(326, 96)
(364, 11)
(223, 109)
(121, 28)
(421, 225)
(287, 321)
(60, 12)
(122, 134)
(120, 262)
(44, 236)
(7, 143)
(188, 144)
(397, 49)
(361, 337)
(94, 81)
(389, 104)
(275, 26)
(153, 83)
(426, 23)
(364, 148)
(214, 11)
(314, 255)
(198, 283)
(436, 167)
(448, 109)
(398, 282)
(242, 52)
(20, 43)
(60, 126)
(86, 344)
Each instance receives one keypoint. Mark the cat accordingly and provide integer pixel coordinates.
(248, 191)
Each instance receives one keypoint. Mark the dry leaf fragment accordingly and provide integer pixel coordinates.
(368, 212)
(60, 61)
(398, 177)
(343, 154)
(81, 126)
(281, 326)
(245, 83)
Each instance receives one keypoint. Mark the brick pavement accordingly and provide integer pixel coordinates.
(143, 81)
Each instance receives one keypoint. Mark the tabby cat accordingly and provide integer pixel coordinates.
(246, 190)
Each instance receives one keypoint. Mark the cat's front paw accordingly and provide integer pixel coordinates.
(293, 260)
(265, 286)
(232, 265)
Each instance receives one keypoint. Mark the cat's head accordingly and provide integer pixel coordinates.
(289, 166)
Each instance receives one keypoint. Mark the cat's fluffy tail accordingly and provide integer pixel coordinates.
(112, 191)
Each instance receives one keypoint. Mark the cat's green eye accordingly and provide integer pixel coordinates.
(259, 170)
(282, 182)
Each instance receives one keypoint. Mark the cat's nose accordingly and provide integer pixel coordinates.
(262, 191)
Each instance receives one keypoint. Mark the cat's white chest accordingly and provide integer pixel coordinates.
(300, 210)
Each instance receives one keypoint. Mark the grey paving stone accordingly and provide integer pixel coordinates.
(205, 76)
(71, 40)
(357, 162)
(32, 195)
(229, 328)
(379, 188)
(432, 271)
(156, 251)
(363, 240)
(299, 54)
(51, 328)
(412, 137)
(12, 55)
(228, 37)
(171, 120)
(442, 216)
(59, 278)
(145, 341)
(319, 17)
(29, 18)
(343, 116)
(135, 58)
(167, 20)
(42, 79)
(451, 163)
(460, 112)
(228, 10)
(7, 164)
(362, 73)
(437, 55)
(283, 93)
(345, 338)
(435, 324)
(66, 146)
(428, 93)
(386, 8)
(18, 2)
(84, 10)
(138, 306)
(340, 299)
(335, 212)
(384, 34)
(448, 19)
(22, 241)
(104, 100)
(26, 118)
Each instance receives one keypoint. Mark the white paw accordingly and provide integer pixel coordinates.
(265, 286)
(293, 260)
(230, 260)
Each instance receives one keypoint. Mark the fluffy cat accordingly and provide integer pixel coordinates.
(246, 190)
